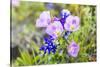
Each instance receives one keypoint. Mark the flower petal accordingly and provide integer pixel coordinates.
(72, 23)
(44, 19)
(73, 49)
(54, 29)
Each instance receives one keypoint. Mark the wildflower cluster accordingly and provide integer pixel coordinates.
(55, 26)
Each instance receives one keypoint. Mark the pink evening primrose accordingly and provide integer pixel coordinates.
(72, 23)
(44, 19)
(54, 29)
(15, 3)
(73, 49)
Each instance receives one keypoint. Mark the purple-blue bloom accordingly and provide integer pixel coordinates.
(72, 23)
(65, 13)
(73, 49)
(55, 29)
(49, 46)
(67, 33)
(44, 19)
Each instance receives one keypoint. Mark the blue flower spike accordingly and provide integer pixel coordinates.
(49, 46)
(67, 33)
(64, 14)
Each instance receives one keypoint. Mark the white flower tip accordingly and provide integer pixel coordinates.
(65, 11)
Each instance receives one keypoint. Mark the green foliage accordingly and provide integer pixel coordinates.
(25, 59)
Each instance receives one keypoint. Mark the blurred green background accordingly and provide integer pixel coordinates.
(26, 39)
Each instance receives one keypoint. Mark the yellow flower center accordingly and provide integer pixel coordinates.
(71, 49)
(57, 33)
(71, 27)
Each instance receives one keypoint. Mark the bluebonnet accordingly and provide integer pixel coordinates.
(67, 33)
(64, 14)
(49, 45)
(62, 20)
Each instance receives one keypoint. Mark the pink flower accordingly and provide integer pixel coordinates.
(44, 19)
(54, 29)
(15, 3)
(72, 23)
(73, 49)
